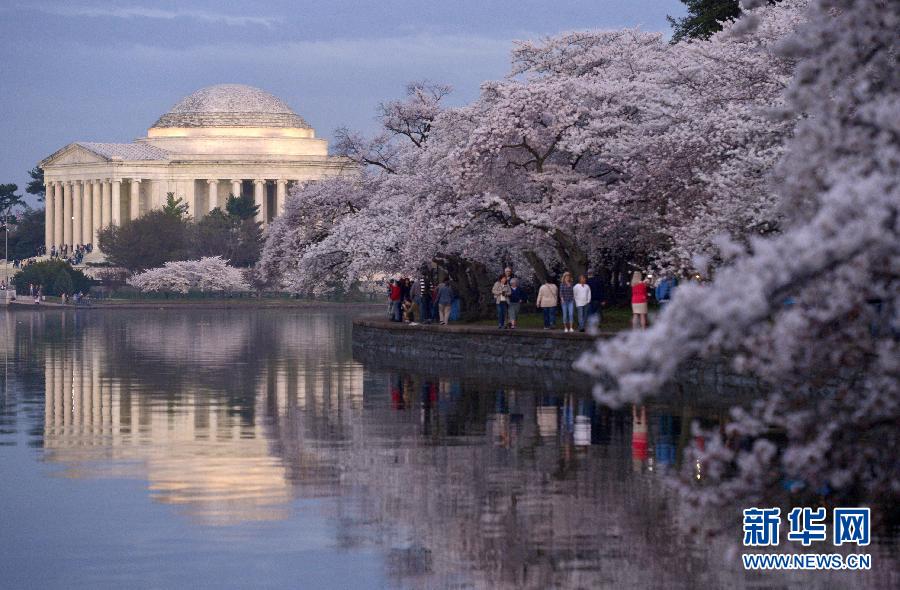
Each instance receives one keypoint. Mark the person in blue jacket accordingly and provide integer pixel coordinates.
(664, 289)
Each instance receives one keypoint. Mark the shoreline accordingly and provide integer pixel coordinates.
(181, 304)
(470, 345)
(542, 358)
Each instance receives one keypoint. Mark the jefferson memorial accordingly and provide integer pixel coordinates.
(220, 140)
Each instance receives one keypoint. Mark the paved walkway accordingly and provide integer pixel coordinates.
(491, 330)
(26, 301)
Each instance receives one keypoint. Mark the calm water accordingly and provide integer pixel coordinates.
(214, 449)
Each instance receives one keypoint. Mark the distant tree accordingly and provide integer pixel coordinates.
(148, 242)
(36, 185)
(234, 234)
(241, 206)
(704, 18)
(250, 243)
(8, 198)
(175, 207)
(62, 284)
(27, 235)
(215, 234)
(45, 274)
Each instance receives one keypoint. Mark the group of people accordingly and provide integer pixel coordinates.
(20, 264)
(73, 255)
(410, 300)
(640, 286)
(580, 302)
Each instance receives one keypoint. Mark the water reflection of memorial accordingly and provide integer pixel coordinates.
(231, 419)
(149, 400)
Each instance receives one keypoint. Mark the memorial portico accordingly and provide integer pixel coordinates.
(222, 140)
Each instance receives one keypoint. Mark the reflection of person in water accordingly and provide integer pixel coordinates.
(396, 387)
(669, 429)
(427, 402)
(582, 434)
(547, 416)
(500, 420)
(638, 436)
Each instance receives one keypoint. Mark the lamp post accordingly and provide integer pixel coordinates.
(6, 246)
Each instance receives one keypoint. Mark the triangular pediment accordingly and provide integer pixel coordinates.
(73, 154)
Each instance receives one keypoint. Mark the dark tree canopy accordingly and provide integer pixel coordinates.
(9, 198)
(148, 241)
(237, 239)
(27, 235)
(36, 185)
(62, 284)
(53, 276)
(241, 206)
(169, 234)
(704, 17)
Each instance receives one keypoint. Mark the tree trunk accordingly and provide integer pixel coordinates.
(574, 258)
(540, 269)
(472, 284)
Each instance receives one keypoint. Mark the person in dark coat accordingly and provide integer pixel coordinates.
(598, 295)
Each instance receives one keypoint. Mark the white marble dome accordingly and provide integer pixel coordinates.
(231, 105)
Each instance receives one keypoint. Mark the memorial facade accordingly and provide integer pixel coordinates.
(220, 140)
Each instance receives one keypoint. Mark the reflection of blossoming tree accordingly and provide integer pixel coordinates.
(811, 311)
(210, 274)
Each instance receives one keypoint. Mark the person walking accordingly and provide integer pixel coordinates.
(516, 299)
(547, 300)
(445, 301)
(567, 301)
(582, 301)
(638, 301)
(501, 298)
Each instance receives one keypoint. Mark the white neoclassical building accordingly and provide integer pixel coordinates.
(220, 140)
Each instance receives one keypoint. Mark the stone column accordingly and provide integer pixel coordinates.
(187, 189)
(134, 202)
(280, 194)
(49, 215)
(259, 188)
(115, 202)
(212, 195)
(67, 213)
(87, 213)
(236, 187)
(156, 198)
(58, 214)
(97, 214)
(77, 198)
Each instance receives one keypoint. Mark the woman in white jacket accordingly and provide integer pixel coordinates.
(582, 301)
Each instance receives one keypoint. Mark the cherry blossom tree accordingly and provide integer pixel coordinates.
(608, 147)
(811, 311)
(210, 274)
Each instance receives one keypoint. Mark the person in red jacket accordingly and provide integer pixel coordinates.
(638, 301)
(395, 294)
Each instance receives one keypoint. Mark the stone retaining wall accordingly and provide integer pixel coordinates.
(537, 357)
(476, 345)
